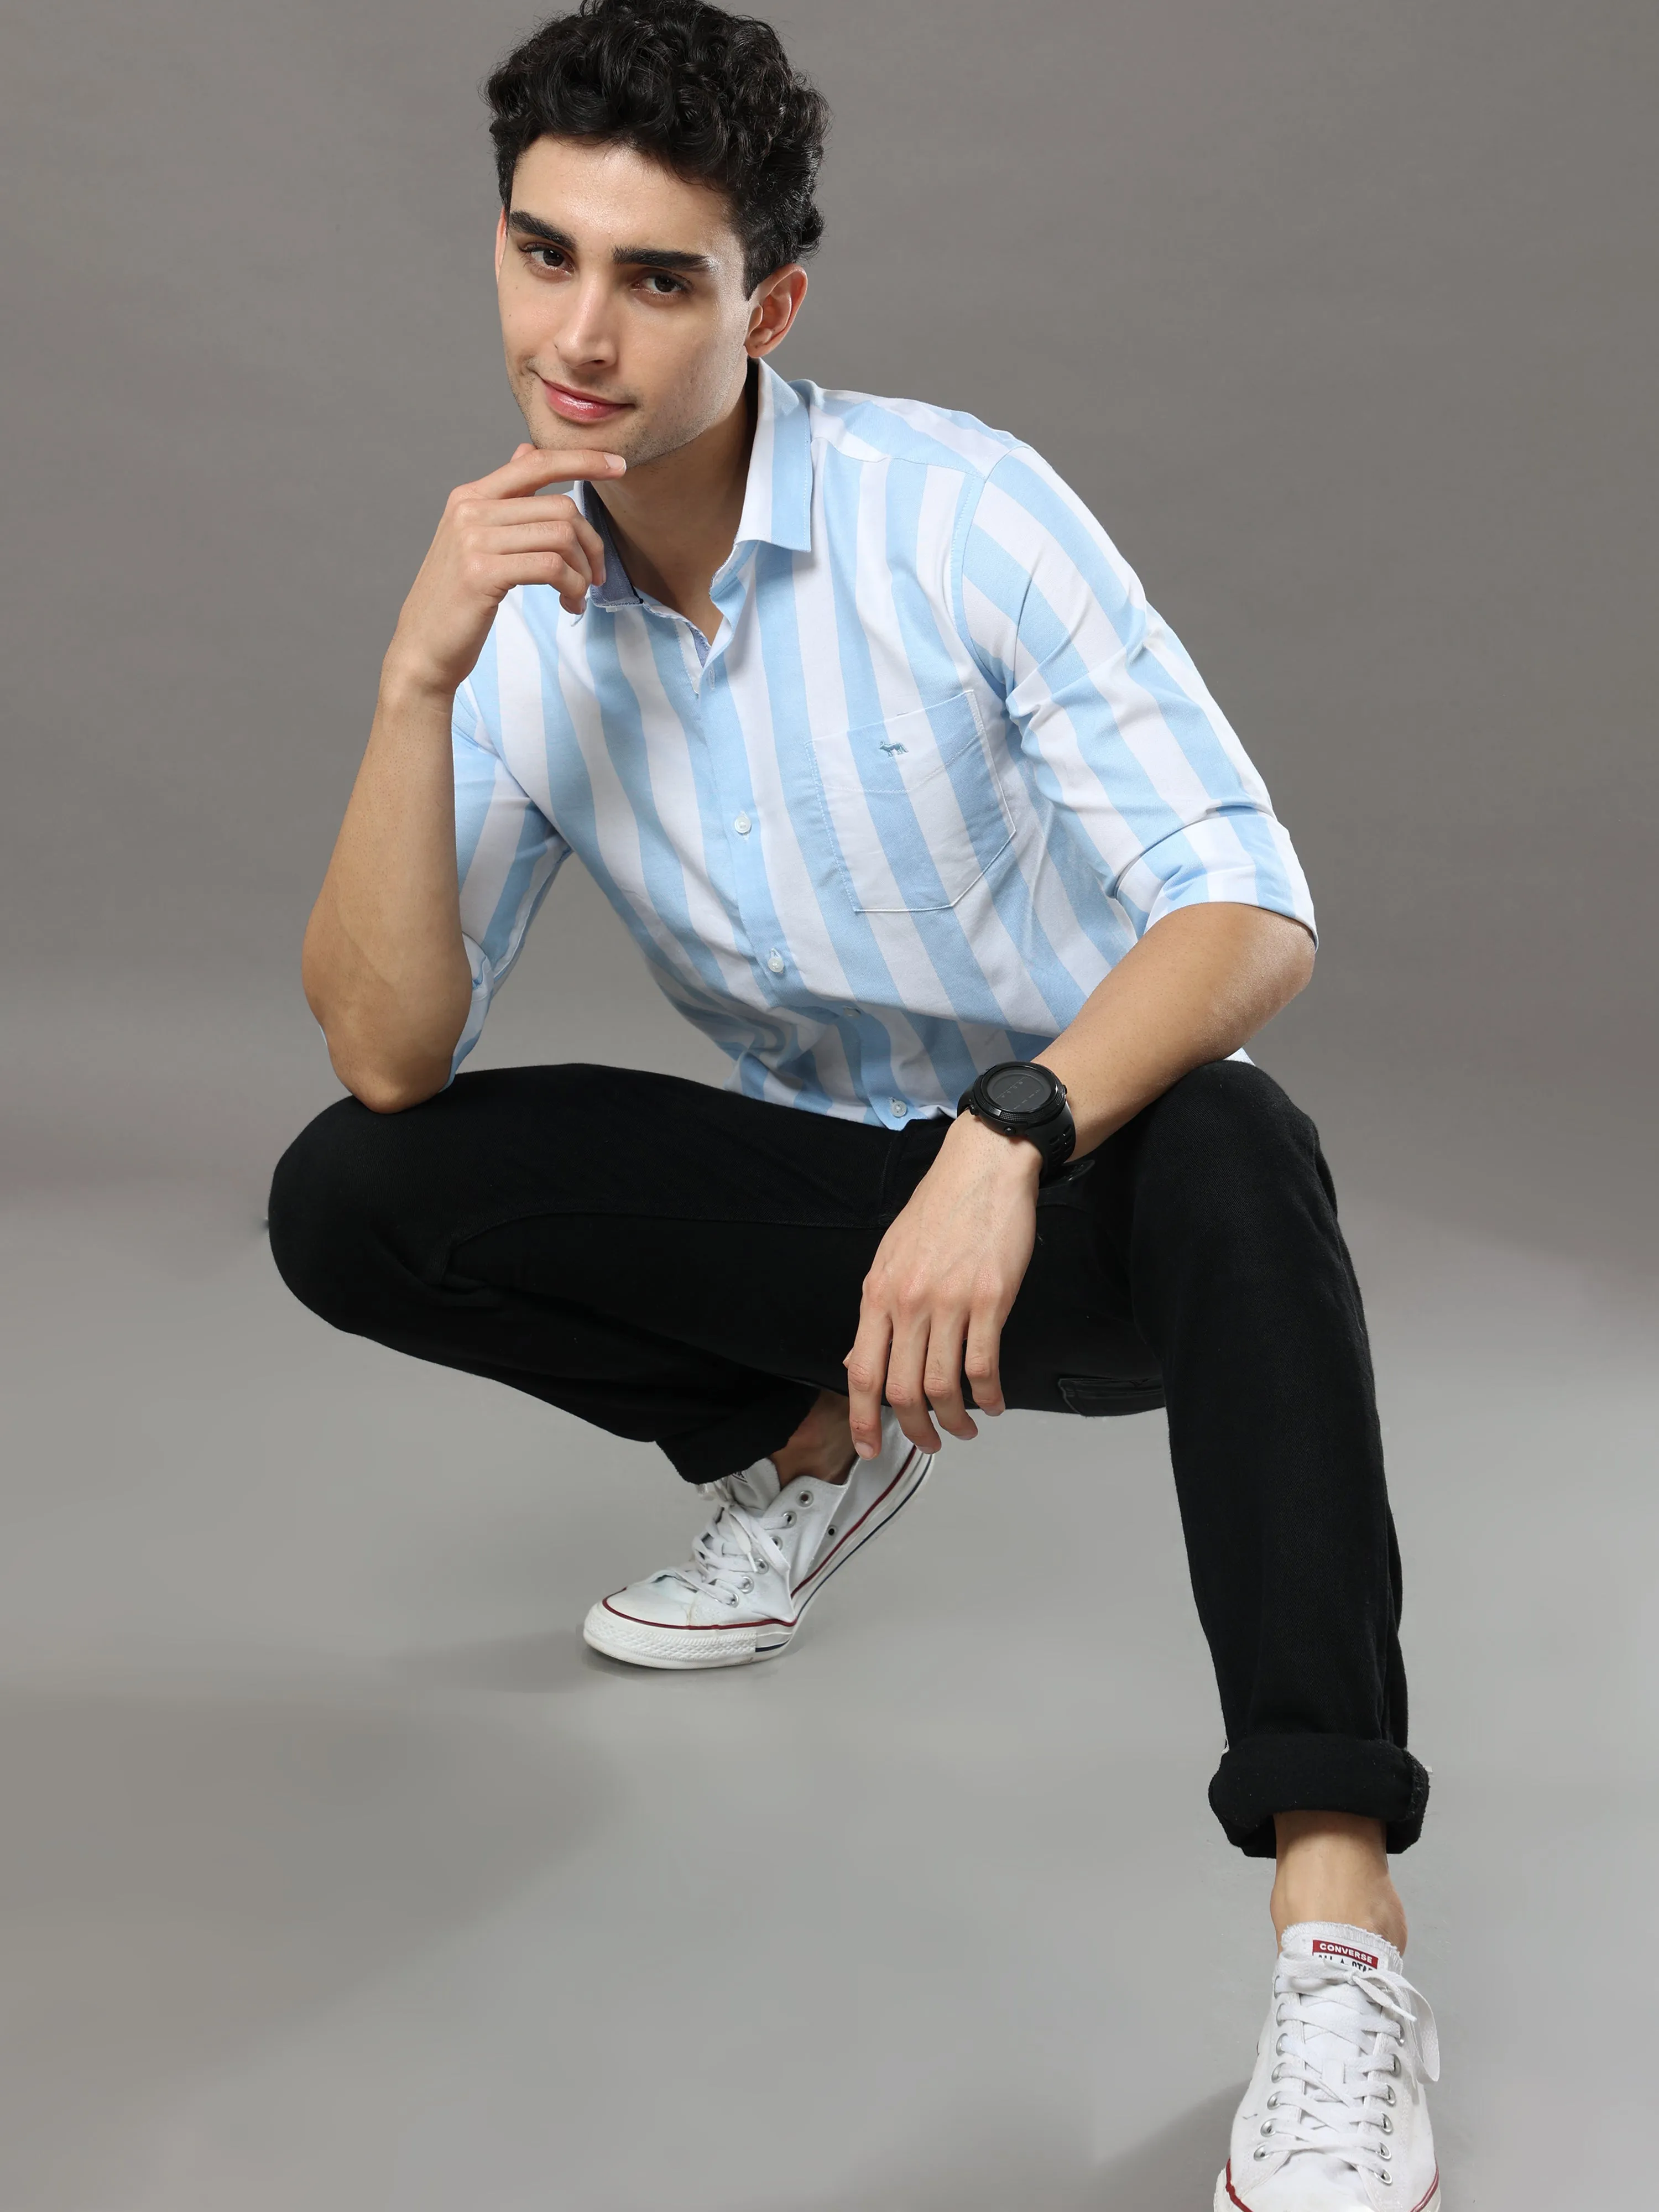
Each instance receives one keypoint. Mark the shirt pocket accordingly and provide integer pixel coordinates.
(913, 807)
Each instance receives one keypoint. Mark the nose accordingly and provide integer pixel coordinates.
(587, 338)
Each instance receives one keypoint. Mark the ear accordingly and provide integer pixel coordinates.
(774, 308)
(500, 242)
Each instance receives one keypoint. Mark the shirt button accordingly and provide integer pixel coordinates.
(743, 825)
(900, 1110)
(774, 961)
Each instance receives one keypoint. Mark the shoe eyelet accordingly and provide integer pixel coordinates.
(1384, 2153)
(1388, 2125)
(1386, 2179)
(806, 1497)
(1266, 2129)
(789, 1520)
(1275, 2075)
(748, 1583)
(1387, 2094)
(1258, 2152)
(831, 1530)
(731, 1601)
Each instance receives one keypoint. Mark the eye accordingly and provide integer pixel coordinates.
(669, 285)
(559, 260)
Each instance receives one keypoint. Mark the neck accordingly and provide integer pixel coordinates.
(675, 519)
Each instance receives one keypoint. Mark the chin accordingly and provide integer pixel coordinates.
(562, 437)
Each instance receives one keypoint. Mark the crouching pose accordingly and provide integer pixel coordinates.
(914, 804)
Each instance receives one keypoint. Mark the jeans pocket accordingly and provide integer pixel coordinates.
(1095, 1396)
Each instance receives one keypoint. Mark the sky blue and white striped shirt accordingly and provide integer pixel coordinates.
(940, 768)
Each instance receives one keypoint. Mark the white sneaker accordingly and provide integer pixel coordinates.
(759, 1563)
(1334, 2119)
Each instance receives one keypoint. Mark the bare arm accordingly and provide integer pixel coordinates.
(1197, 985)
(383, 966)
(1200, 983)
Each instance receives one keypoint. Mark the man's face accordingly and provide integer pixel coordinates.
(623, 315)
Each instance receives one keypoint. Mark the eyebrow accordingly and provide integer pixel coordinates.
(630, 257)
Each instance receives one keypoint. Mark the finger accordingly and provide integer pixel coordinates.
(592, 543)
(983, 1360)
(547, 541)
(867, 1372)
(512, 569)
(515, 526)
(537, 464)
(941, 1375)
(906, 1390)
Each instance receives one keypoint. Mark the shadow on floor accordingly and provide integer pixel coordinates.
(544, 1664)
(540, 1665)
(1173, 2170)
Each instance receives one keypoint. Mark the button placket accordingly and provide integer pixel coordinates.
(748, 903)
(751, 895)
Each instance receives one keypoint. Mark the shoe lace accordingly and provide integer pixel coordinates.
(1341, 2103)
(732, 1551)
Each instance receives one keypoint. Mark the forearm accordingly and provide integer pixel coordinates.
(385, 968)
(1199, 985)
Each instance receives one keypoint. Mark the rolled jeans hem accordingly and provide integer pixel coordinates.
(1269, 1774)
(741, 1438)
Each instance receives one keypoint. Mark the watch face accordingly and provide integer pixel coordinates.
(1020, 1090)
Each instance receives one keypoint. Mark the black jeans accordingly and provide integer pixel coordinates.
(682, 1264)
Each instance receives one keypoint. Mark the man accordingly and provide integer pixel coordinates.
(909, 798)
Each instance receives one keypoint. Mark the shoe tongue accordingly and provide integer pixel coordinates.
(1337, 1942)
(1323, 2022)
(754, 1487)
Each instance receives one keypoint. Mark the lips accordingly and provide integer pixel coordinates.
(581, 406)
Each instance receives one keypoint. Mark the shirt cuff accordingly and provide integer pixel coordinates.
(1240, 857)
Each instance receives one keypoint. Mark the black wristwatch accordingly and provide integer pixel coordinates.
(1024, 1100)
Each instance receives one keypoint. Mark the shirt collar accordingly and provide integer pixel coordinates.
(777, 497)
(617, 590)
(777, 500)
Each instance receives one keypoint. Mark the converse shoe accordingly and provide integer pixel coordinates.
(759, 1563)
(1334, 2118)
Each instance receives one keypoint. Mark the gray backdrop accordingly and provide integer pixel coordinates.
(325, 1857)
(1342, 317)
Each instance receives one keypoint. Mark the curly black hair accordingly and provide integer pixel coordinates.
(712, 96)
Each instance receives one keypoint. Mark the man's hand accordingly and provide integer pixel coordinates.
(384, 964)
(495, 534)
(1198, 985)
(940, 1287)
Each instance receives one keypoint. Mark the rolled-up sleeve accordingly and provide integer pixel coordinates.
(1116, 727)
(506, 853)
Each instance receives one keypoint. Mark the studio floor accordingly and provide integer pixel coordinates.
(337, 1875)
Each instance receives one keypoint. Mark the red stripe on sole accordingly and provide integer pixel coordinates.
(770, 1620)
(699, 1627)
(1236, 2198)
(848, 1533)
